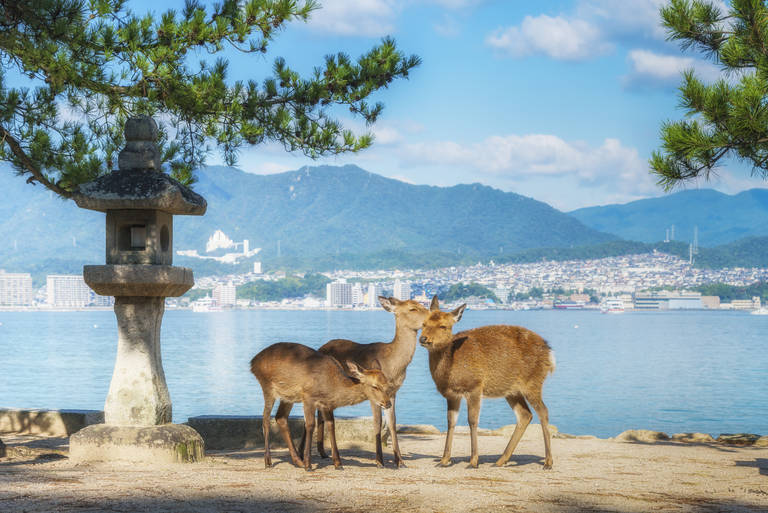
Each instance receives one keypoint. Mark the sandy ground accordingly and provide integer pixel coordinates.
(588, 475)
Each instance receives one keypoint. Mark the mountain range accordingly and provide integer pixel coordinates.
(329, 217)
(720, 218)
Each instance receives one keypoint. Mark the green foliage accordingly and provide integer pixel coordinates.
(728, 118)
(728, 293)
(459, 291)
(748, 252)
(291, 287)
(195, 294)
(91, 64)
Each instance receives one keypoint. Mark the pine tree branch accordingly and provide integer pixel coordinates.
(28, 165)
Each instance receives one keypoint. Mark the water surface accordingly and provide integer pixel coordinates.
(667, 371)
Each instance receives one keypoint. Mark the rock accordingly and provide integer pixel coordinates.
(418, 429)
(642, 435)
(693, 438)
(464, 430)
(245, 432)
(738, 438)
(761, 442)
(2, 449)
(510, 428)
(47, 422)
(169, 443)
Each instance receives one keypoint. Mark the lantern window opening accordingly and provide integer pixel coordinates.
(138, 237)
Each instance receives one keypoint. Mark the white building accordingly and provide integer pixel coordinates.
(67, 291)
(338, 293)
(16, 289)
(358, 297)
(257, 268)
(225, 295)
(374, 291)
(402, 290)
(502, 293)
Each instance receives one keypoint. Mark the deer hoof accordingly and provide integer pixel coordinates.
(547, 466)
(444, 463)
(400, 464)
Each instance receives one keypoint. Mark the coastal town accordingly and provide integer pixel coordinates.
(646, 281)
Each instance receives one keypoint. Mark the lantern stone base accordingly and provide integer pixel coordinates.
(168, 443)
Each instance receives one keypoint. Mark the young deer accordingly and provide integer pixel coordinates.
(295, 373)
(394, 357)
(490, 361)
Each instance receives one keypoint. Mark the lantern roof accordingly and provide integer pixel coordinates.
(139, 182)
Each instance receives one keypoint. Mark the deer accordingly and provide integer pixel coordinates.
(489, 361)
(394, 357)
(295, 373)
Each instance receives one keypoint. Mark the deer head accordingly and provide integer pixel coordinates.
(437, 331)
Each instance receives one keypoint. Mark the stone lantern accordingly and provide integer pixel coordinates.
(140, 201)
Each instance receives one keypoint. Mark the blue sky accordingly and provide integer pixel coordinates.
(557, 100)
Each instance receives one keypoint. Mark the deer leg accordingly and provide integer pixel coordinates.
(474, 401)
(301, 443)
(321, 434)
(281, 417)
(377, 433)
(392, 421)
(309, 422)
(453, 413)
(523, 414)
(328, 414)
(543, 413)
(269, 401)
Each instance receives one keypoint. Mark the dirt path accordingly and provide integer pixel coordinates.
(588, 475)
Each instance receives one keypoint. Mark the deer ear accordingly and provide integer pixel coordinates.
(458, 313)
(376, 364)
(435, 304)
(354, 370)
(388, 303)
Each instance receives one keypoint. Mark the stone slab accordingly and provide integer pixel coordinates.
(692, 438)
(146, 280)
(2, 449)
(47, 422)
(245, 432)
(642, 435)
(738, 438)
(169, 443)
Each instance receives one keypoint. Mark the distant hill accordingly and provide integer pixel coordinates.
(747, 252)
(321, 218)
(721, 218)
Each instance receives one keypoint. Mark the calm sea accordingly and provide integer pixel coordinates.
(666, 371)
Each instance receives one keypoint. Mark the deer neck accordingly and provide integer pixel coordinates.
(440, 362)
(403, 345)
(351, 392)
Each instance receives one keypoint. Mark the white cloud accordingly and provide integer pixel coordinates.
(625, 19)
(386, 134)
(650, 68)
(539, 156)
(558, 37)
(448, 26)
(373, 18)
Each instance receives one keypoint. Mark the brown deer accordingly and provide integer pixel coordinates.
(490, 361)
(394, 357)
(295, 373)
